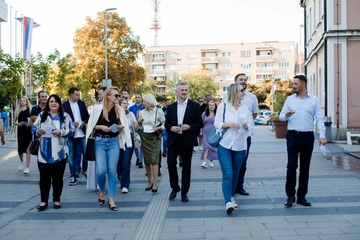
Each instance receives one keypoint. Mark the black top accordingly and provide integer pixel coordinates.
(36, 110)
(112, 120)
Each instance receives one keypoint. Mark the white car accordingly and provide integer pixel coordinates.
(264, 117)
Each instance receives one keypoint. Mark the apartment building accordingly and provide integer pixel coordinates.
(332, 55)
(258, 61)
(3, 14)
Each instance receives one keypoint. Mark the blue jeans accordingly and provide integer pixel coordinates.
(230, 163)
(73, 144)
(123, 168)
(165, 138)
(6, 124)
(107, 153)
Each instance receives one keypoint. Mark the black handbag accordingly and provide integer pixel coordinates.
(90, 148)
(34, 145)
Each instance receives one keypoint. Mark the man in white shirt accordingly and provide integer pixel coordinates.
(79, 115)
(251, 101)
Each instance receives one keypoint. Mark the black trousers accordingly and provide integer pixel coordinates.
(186, 153)
(240, 183)
(51, 174)
(298, 144)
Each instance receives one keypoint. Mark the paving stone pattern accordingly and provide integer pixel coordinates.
(333, 191)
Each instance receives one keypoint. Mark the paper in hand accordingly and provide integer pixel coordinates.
(114, 128)
(323, 150)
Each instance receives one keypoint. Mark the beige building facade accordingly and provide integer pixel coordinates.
(332, 55)
(258, 61)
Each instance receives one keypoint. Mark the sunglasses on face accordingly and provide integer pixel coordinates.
(117, 95)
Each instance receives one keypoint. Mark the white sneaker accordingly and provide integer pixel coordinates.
(234, 202)
(229, 207)
(211, 164)
(27, 170)
(204, 165)
(21, 166)
(124, 190)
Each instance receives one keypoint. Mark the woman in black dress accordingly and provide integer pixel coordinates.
(24, 135)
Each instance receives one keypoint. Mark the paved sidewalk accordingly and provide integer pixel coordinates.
(333, 191)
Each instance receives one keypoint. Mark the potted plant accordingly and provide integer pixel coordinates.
(280, 128)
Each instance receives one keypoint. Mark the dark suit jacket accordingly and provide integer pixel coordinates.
(192, 117)
(83, 112)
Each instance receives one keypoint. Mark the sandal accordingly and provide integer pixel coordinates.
(113, 208)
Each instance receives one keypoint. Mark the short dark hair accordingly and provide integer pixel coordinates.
(40, 92)
(102, 88)
(301, 78)
(138, 93)
(127, 91)
(73, 89)
(238, 75)
(208, 95)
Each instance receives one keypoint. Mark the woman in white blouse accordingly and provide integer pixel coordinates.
(232, 147)
(151, 119)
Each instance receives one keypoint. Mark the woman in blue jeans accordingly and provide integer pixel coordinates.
(232, 147)
(123, 169)
(111, 133)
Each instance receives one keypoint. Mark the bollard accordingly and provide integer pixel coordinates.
(328, 131)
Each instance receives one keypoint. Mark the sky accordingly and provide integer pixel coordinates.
(183, 22)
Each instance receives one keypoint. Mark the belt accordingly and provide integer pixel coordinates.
(300, 132)
(104, 136)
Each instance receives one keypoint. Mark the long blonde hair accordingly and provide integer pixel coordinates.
(18, 108)
(106, 103)
(232, 93)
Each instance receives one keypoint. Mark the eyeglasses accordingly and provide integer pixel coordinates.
(117, 95)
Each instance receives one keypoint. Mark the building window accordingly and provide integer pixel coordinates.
(191, 66)
(227, 77)
(158, 68)
(160, 90)
(263, 77)
(224, 89)
(192, 55)
(284, 76)
(158, 57)
(284, 65)
(245, 65)
(227, 54)
(173, 56)
(174, 67)
(227, 65)
(245, 53)
(284, 52)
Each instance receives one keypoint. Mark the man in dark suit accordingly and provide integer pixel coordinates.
(183, 123)
(79, 114)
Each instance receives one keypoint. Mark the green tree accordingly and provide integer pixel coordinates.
(200, 83)
(123, 50)
(10, 71)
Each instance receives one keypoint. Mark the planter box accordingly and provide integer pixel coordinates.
(280, 128)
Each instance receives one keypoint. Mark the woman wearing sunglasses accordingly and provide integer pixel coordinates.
(111, 131)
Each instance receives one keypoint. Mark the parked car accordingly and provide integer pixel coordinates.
(264, 117)
(258, 121)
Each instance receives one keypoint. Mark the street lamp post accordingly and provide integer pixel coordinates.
(106, 81)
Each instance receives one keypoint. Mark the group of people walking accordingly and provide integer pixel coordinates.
(64, 128)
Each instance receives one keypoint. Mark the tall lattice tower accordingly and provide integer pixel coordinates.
(155, 21)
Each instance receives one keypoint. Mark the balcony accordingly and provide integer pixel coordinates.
(209, 59)
(265, 58)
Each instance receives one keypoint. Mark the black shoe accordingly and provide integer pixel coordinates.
(242, 192)
(289, 201)
(164, 154)
(137, 162)
(159, 174)
(173, 194)
(184, 198)
(154, 190)
(57, 206)
(42, 208)
(148, 188)
(140, 165)
(303, 202)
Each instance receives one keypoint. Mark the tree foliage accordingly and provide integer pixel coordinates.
(200, 83)
(122, 51)
(10, 71)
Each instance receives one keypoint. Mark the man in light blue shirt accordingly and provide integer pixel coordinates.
(300, 110)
